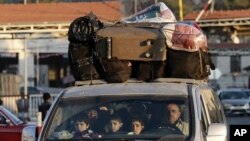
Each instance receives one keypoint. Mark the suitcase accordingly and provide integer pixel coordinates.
(131, 42)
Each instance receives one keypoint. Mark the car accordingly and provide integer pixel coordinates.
(235, 101)
(32, 90)
(200, 108)
(11, 127)
(248, 92)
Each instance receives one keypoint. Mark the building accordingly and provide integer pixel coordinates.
(34, 39)
(228, 34)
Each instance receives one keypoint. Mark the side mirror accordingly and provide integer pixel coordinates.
(7, 121)
(217, 131)
(29, 133)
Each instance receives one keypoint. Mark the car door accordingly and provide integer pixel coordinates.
(8, 131)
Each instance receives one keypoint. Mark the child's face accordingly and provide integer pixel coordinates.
(137, 127)
(115, 125)
(81, 126)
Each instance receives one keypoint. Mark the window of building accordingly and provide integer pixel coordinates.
(235, 63)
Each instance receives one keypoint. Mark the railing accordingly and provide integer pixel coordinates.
(34, 101)
(24, 107)
(10, 102)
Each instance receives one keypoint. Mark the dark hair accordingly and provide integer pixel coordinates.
(46, 96)
(138, 119)
(116, 117)
(83, 119)
(1, 102)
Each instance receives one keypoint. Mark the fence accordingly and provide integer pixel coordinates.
(9, 91)
(34, 101)
(10, 102)
(9, 84)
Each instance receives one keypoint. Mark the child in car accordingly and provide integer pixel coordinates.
(115, 124)
(82, 128)
(137, 126)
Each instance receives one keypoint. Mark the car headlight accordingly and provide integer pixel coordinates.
(246, 105)
(226, 105)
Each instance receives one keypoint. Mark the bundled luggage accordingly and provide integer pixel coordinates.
(187, 46)
(142, 44)
(144, 51)
(80, 51)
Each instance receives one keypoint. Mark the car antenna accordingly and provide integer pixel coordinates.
(91, 66)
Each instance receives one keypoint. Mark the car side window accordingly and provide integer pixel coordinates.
(213, 106)
(2, 119)
(204, 120)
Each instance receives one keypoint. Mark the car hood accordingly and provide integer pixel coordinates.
(235, 101)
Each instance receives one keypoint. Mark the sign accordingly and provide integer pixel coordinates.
(215, 74)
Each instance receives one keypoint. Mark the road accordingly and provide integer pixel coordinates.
(238, 120)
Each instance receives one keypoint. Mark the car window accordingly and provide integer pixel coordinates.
(204, 119)
(2, 119)
(15, 119)
(119, 117)
(213, 106)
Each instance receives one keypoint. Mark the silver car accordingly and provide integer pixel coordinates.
(235, 101)
(200, 110)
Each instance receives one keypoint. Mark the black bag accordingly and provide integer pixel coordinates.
(182, 64)
(148, 71)
(81, 62)
(80, 52)
(83, 28)
(115, 71)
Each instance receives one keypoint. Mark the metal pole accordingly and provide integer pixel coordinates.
(203, 10)
(25, 69)
(135, 7)
(37, 64)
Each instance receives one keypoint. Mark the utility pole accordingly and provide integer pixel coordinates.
(135, 6)
(181, 10)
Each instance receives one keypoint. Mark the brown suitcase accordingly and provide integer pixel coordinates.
(131, 42)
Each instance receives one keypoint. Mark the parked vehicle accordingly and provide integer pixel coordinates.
(40, 90)
(11, 127)
(32, 90)
(200, 109)
(248, 92)
(235, 100)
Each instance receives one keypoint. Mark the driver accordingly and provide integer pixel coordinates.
(174, 113)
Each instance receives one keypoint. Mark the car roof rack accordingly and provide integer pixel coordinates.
(181, 80)
(133, 80)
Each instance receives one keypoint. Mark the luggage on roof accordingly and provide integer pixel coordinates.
(145, 51)
(131, 42)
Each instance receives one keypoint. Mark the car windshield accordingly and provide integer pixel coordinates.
(248, 93)
(12, 116)
(233, 95)
(120, 117)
